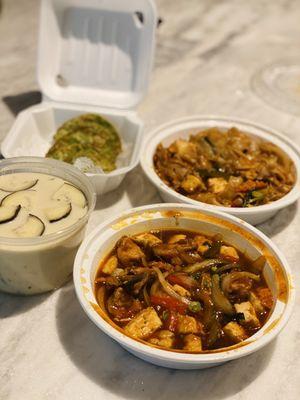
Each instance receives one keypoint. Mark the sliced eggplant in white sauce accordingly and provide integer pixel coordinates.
(58, 212)
(15, 186)
(71, 194)
(33, 227)
(9, 213)
(23, 198)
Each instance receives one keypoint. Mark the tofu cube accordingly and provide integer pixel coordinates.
(217, 185)
(185, 149)
(147, 239)
(128, 251)
(202, 243)
(235, 332)
(192, 343)
(144, 324)
(163, 338)
(229, 252)
(187, 324)
(191, 183)
(254, 300)
(110, 265)
(176, 238)
(250, 317)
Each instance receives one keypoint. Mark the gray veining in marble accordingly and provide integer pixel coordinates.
(207, 52)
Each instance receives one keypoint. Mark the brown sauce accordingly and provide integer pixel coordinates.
(209, 278)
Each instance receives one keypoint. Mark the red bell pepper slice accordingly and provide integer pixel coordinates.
(182, 279)
(169, 303)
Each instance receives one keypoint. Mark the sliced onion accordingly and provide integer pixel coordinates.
(100, 297)
(228, 279)
(259, 263)
(203, 265)
(168, 288)
(146, 296)
(154, 287)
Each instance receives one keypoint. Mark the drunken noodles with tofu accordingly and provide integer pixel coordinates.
(230, 169)
(184, 291)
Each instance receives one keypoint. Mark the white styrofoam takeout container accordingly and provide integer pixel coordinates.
(182, 216)
(94, 56)
(184, 127)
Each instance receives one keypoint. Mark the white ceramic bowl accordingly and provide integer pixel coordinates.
(167, 216)
(39, 264)
(184, 127)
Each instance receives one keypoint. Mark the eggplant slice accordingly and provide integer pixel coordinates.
(71, 194)
(8, 214)
(16, 187)
(57, 213)
(22, 198)
(33, 227)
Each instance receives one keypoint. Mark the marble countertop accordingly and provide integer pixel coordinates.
(206, 53)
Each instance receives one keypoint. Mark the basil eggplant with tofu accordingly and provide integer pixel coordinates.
(87, 135)
(230, 168)
(182, 290)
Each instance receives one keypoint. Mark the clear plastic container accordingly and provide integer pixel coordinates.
(40, 264)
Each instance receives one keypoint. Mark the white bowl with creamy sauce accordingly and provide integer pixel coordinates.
(44, 208)
(247, 239)
(182, 128)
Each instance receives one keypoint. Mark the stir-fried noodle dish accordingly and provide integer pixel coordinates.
(230, 168)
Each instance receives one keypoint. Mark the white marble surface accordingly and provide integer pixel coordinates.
(206, 53)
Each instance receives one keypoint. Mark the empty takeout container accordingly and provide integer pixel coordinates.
(93, 57)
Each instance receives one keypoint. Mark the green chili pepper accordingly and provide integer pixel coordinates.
(257, 195)
(195, 306)
(165, 315)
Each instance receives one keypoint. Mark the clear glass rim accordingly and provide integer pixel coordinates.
(271, 95)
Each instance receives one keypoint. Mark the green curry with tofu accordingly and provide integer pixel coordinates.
(231, 168)
(181, 290)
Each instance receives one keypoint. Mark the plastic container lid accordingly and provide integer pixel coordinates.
(96, 52)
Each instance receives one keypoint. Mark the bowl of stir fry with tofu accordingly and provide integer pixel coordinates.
(230, 165)
(183, 287)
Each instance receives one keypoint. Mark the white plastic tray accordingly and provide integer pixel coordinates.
(32, 133)
(94, 56)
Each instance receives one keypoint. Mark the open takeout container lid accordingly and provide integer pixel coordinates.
(96, 52)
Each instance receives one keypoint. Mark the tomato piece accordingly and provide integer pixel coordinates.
(183, 280)
(169, 303)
